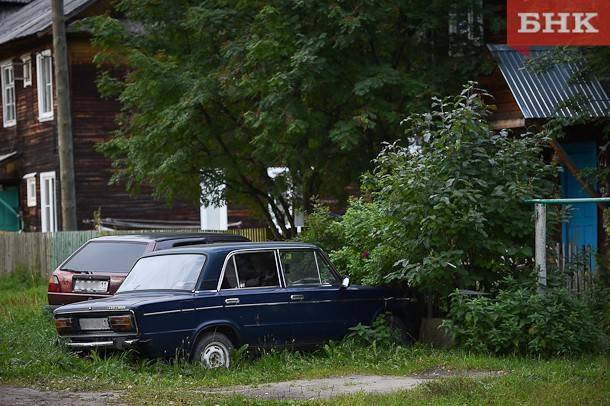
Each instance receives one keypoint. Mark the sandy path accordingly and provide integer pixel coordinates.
(297, 389)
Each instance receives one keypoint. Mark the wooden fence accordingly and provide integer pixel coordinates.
(43, 252)
(573, 268)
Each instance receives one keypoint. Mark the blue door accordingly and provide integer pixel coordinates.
(321, 309)
(254, 299)
(581, 229)
(9, 206)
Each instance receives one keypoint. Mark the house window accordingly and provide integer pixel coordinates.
(30, 184)
(465, 27)
(9, 111)
(27, 70)
(299, 219)
(48, 204)
(44, 75)
(213, 217)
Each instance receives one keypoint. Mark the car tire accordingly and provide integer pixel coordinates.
(213, 350)
(399, 329)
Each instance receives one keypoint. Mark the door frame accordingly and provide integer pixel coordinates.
(52, 204)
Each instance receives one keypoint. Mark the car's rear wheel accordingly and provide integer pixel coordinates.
(213, 350)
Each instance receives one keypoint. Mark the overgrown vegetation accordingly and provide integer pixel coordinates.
(521, 321)
(447, 209)
(221, 91)
(30, 356)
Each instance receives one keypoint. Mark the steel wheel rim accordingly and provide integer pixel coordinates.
(215, 355)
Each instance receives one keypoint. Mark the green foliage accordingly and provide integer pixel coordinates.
(21, 277)
(379, 334)
(238, 87)
(521, 321)
(323, 229)
(29, 357)
(447, 210)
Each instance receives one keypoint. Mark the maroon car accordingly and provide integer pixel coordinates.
(98, 268)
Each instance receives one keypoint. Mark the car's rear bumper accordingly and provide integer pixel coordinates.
(57, 299)
(117, 343)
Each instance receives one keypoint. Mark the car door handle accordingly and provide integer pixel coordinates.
(232, 301)
(297, 297)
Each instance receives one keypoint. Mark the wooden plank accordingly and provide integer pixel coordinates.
(43, 252)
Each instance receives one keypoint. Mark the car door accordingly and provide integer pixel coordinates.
(253, 297)
(318, 310)
(358, 304)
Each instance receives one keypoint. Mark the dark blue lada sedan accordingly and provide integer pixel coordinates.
(205, 301)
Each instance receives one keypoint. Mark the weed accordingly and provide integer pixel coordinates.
(30, 355)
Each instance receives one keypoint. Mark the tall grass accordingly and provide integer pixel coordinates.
(31, 355)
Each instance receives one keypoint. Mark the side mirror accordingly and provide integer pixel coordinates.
(345, 282)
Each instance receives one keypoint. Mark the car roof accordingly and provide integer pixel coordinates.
(167, 237)
(231, 246)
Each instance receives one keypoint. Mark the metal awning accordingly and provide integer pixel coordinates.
(553, 92)
(8, 157)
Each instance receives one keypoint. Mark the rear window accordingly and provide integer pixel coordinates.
(118, 257)
(164, 272)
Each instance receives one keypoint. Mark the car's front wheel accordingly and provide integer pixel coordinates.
(213, 350)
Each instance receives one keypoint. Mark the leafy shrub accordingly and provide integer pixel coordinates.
(445, 209)
(323, 229)
(521, 321)
(379, 334)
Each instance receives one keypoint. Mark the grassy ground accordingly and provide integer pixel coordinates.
(30, 356)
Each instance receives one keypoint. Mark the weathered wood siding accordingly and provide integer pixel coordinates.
(35, 141)
(93, 121)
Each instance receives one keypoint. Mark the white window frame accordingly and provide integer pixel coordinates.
(30, 181)
(299, 219)
(48, 225)
(214, 217)
(8, 121)
(26, 64)
(42, 86)
(472, 30)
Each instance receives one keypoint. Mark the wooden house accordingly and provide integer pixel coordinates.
(29, 163)
(526, 97)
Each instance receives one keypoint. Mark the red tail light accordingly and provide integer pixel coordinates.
(54, 285)
(121, 323)
(63, 325)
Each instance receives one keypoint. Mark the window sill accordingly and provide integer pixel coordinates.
(45, 118)
(10, 124)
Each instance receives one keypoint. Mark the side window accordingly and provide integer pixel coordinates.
(326, 273)
(300, 267)
(230, 278)
(256, 269)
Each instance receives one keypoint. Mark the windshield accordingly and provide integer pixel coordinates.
(164, 272)
(98, 256)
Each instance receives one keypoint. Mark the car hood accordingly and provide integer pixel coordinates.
(127, 301)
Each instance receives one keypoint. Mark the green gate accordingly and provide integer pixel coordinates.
(9, 208)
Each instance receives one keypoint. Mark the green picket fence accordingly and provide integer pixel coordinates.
(43, 252)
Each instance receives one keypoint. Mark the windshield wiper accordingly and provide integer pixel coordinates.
(75, 270)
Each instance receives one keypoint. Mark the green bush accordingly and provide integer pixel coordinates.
(445, 208)
(521, 321)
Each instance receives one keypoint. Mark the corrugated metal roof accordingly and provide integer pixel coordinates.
(16, 1)
(553, 92)
(33, 18)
